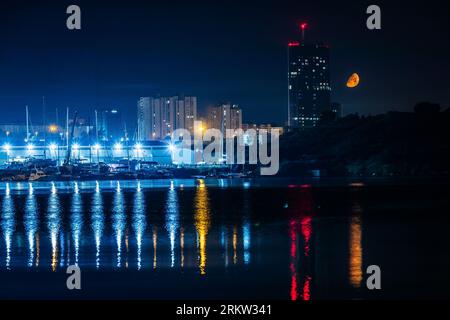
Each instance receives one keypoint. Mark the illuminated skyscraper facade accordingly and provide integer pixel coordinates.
(225, 116)
(159, 117)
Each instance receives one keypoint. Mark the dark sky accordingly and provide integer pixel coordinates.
(219, 51)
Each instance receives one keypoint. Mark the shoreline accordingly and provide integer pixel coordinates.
(246, 183)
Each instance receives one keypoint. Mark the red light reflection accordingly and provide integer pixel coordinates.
(300, 230)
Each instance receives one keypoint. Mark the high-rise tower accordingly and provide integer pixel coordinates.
(308, 82)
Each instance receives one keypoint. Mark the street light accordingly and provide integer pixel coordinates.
(30, 147)
(7, 148)
(53, 147)
(172, 149)
(138, 148)
(53, 128)
(118, 147)
(76, 149)
(97, 148)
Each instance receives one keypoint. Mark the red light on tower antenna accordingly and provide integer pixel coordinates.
(303, 27)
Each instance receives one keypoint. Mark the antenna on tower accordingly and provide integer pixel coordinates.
(303, 27)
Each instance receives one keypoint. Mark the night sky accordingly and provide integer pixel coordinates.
(218, 51)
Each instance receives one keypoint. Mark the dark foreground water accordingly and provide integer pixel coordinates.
(224, 240)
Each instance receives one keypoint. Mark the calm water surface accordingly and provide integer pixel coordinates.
(188, 239)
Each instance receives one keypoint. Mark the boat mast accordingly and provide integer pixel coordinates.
(67, 127)
(45, 126)
(96, 126)
(28, 125)
(69, 145)
(90, 140)
(127, 146)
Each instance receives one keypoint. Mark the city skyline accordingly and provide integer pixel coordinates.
(225, 158)
(198, 54)
(157, 119)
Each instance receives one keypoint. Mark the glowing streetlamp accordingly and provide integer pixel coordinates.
(76, 149)
(30, 148)
(118, 147)
(7, 148)
(53, 128)
(172, 149)
(97, 148)
(138, 148)
(54, 147)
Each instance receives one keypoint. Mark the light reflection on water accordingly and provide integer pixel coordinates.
(246, 232)
(31, 222)
(171, 229)
(118, 221)
(98, 222)
(76, 222)
(8, 225)
(355, 245)
(172, 221)
(202, 224)
(139, 223)
(54, 225)
(300, 233)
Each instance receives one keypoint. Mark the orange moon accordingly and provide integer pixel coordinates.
(353, 81)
